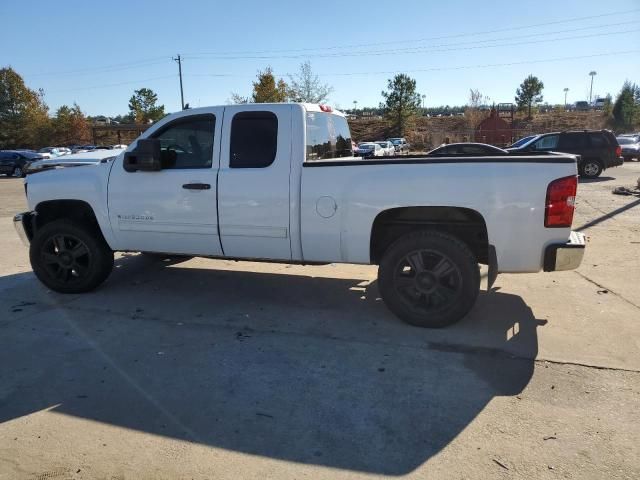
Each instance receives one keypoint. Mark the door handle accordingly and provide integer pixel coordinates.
(196, 186)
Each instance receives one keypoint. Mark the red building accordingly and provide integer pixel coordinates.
(494, 130)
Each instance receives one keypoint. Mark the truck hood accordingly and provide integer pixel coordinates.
(75, 160)
(87, 184)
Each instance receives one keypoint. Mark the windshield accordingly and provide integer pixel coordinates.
(522, 141)
(395, 141)
(328, 136)
(528, 141)
(366, 146)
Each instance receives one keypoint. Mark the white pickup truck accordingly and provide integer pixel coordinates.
(279, 182)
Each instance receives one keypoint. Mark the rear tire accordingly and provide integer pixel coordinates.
(70, 258)
(429, 279)
(591, 169)
(18, 172)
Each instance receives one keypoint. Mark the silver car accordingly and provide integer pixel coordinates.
(630, 145)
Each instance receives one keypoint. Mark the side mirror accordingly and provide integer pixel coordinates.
(146, 157)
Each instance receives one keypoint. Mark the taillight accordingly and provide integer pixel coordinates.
(618, 151)
(561, 201)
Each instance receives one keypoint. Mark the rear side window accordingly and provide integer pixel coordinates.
(574, 141)
(190, 142)
(547, 143)
(598, 140)
(254, 140)
(328, 136)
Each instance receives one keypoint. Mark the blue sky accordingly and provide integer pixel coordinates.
(97, 53)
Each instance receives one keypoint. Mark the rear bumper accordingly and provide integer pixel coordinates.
(615, 162)
(565, 256)
(23, 223)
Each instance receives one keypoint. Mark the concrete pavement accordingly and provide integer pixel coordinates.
(217, 369)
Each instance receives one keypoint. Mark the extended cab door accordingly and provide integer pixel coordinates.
(172, 210)
(253, 196)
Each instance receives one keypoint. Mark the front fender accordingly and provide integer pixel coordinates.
(85, 183)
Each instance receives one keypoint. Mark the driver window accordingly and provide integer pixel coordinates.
(192, 141)
(547, 143)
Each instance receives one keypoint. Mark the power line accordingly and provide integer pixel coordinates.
(487, 65)
(423, 39)
(435, 69)
(104, 69)
(381, 72)
(418, 49)
(112, 84)
(161, 59)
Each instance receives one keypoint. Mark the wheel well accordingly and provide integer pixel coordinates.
(466, 224)
(78, 211)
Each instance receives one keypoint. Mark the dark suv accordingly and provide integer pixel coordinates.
(597, 149)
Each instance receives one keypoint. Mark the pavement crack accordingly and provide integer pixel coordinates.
(608, 289)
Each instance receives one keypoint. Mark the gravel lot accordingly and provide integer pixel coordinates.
(218, 369)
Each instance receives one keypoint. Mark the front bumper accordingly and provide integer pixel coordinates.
(23, 223)
(565, 256)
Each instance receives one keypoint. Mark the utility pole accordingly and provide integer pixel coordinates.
(565, 97)
(423, 97)
(592, 73)
(179, 60)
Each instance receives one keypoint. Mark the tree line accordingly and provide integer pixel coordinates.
(25, 120)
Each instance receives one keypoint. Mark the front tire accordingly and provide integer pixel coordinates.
(591, 169)
(70, 258)
(429, 279)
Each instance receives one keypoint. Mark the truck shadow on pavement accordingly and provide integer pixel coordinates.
(305, 369)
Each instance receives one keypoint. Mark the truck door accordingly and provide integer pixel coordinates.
(172, 210)
(253, 183)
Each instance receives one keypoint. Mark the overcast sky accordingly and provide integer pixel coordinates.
(96, 54)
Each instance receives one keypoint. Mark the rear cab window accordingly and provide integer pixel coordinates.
(327, 136)
(254, 140)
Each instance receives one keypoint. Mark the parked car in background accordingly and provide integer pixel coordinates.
(16, 162)
(401, 145)
(74, 160)
(630, 146)
(370, 149)
(582, 106)
(82, 148)
(597, 149)
(466, 149)
(599, 103)
(119, 146)
(52, 152)
(387, 147)
(522, 141)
